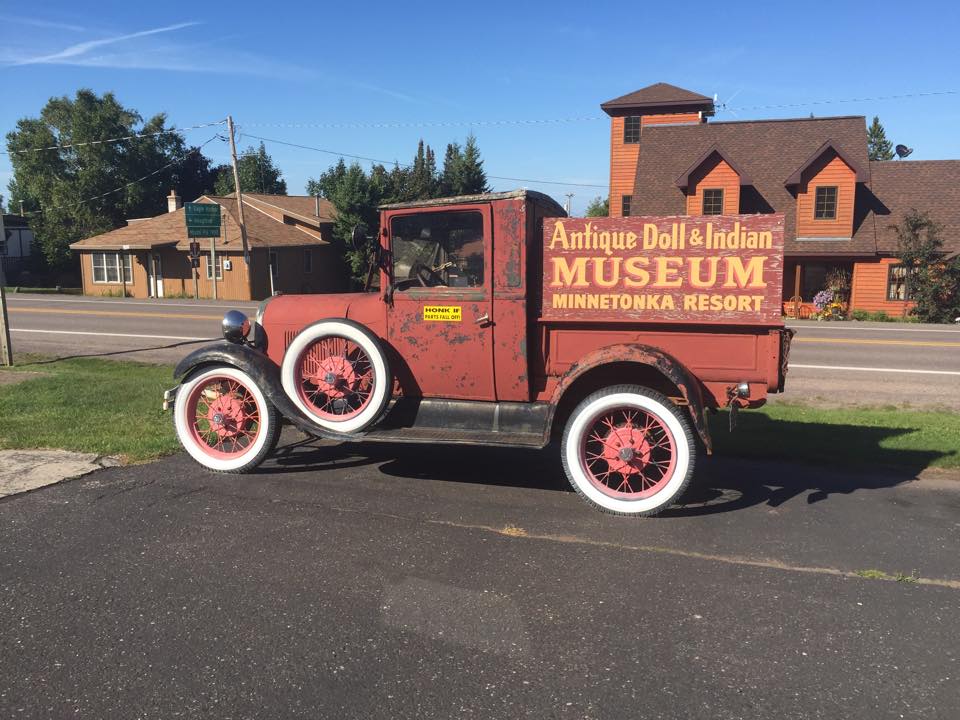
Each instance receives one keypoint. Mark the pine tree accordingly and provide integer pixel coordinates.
(451, 178)
(473, 176)
(878, 147)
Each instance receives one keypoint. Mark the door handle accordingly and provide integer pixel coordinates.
(483, 319)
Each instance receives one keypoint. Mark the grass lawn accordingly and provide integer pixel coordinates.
(111, 407)
(89, 405)
(864, 437)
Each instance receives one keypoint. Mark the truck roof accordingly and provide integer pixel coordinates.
(555, 209)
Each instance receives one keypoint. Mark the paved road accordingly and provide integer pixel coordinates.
(832, 363)
(446, 583)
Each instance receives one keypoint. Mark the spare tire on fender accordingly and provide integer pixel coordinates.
(336, 372)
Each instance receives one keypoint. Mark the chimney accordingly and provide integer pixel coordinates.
(174, 201)
(317, 198)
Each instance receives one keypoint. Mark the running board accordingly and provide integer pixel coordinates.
(461, 422)
(451, 437)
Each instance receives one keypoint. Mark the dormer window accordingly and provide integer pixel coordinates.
(825, 203)
(713, 201)
(631, 129)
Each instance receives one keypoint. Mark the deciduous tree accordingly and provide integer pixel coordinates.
(257, 171)
(933, 281)
(598, 207)
(84, 190)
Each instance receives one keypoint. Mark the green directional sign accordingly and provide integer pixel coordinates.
(203, 219)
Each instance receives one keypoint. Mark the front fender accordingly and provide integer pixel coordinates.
(263, 372)
(667, 365)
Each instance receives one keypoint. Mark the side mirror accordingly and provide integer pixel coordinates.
(359, 236)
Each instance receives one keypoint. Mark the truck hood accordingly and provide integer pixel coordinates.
(298, 311)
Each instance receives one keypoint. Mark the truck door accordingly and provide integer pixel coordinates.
(440, 321)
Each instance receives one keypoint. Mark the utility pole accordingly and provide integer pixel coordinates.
(236, 184)
(213, 259)
(6, 349)
(569, 203)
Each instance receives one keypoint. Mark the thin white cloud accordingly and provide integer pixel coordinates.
(70, 55)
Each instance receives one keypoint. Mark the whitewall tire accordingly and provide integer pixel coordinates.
(628, 450)
(224, 421)
(337, 374)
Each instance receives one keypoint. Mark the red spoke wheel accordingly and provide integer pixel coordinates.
(628, 450)
(336, 373)
(335, 378)
(224, 421)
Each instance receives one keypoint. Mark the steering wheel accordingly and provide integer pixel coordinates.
(426, 276)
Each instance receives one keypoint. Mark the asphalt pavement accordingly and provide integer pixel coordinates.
(830, 363)
(391, 582)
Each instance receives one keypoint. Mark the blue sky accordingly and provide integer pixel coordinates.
(277, 66)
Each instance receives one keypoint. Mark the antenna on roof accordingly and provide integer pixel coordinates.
(902, 151)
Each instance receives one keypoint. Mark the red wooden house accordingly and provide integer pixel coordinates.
(667, 158)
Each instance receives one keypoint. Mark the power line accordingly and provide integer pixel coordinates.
(424, 123)
(125, 186)
(407, 165)
(876, 98)
(112, 140)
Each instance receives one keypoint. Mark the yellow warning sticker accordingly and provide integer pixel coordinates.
(442, 313)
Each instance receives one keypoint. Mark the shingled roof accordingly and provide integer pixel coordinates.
(768, 151)
(931, 186)
(658, 95)
(263, 230)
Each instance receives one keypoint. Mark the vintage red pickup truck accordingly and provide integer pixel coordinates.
(500, 321)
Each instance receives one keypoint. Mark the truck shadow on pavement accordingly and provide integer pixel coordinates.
(763, 462)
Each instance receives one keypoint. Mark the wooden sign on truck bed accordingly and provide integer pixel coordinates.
(710, 269)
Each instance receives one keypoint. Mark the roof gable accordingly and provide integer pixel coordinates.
(796, 177)
(767, 150)
(714, 150)
(659, 95)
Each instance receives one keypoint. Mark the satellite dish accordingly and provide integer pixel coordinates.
(902, 151)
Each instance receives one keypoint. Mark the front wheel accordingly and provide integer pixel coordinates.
(628, 450)
(224, 421)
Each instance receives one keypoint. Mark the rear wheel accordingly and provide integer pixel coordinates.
(224, 421)
(628, 450)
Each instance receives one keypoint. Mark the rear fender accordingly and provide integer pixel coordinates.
(263, 372)
(664, 363)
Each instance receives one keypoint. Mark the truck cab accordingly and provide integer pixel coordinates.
(500, 321)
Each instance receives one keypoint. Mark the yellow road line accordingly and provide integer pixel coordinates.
(866, 341)
(114, 313)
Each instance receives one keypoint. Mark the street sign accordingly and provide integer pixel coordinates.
(203, 219)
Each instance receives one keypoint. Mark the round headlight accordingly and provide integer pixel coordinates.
(236, 326)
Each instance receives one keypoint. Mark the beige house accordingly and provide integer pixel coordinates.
(151, 257)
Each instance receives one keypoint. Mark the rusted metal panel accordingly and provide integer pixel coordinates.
(718, 356)
(662, 362)
(510, 237)
(286, 315)
(678, 269)
(446, 353)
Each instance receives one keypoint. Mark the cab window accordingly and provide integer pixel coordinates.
(438, 249)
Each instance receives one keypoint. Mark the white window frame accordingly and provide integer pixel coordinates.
(219, 264)
(111, 261)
